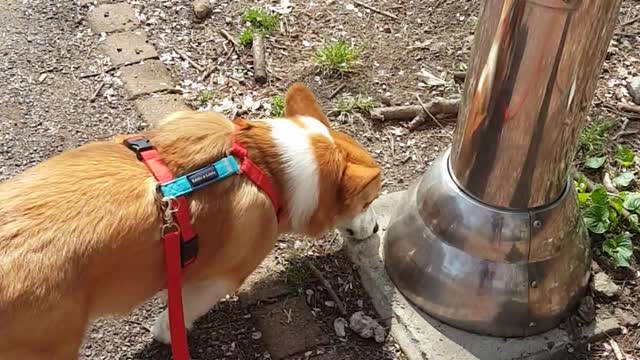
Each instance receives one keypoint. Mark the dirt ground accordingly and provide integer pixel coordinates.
(47, 105)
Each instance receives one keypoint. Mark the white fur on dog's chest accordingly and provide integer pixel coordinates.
(300, 164)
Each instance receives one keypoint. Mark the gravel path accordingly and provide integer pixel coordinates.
(45, 107)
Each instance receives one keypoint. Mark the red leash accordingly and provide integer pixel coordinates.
(173, 238)
(180, 240)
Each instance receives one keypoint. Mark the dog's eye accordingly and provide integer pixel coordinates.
(350, 232)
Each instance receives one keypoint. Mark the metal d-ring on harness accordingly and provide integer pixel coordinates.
(180, 241)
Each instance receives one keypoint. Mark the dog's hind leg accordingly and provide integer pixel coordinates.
(197, 300)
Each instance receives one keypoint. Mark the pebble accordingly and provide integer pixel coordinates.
(202, 8)
(634, 89)
(366, 327)
(604, 286)
(626, 318)
(339, 325)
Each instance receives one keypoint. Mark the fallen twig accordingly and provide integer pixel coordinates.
(327, 285)
(337, 90)
(608, 184)
(381, 12)
(409, 112)
(207, 73)
(616, 350)
(259, 62)
(629, 108)
(189, 60)
(417, 122)
(145, 327)
(426, 110)
(109, 69)
(228, 36)
(630, 21)
(623, 127)
(95, 93)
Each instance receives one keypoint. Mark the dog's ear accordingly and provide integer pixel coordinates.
(359, 182)
(300, 101)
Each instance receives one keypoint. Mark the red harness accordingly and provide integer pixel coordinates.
(179, 238)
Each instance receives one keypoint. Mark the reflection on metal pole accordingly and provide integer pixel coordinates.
(492, 241)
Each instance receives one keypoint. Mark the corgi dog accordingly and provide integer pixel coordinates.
(80, 233)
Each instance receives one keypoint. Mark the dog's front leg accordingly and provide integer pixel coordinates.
(197, 299)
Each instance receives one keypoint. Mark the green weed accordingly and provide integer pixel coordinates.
(338, 57)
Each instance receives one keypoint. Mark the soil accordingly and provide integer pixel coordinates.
(47, 105)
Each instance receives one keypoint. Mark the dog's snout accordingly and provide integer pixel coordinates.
(376, 228)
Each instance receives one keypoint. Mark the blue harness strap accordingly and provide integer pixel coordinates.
(200, 178)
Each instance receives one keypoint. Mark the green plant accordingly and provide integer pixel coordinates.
(608, 212)
(205, 95)
(593, 138)
(338, 56)
(349, 104)
(259, 21)
(277, 106)
(612, 215)
(296, 273)
(246, 36)
(624, 156)
(619, 248)
(262, 20)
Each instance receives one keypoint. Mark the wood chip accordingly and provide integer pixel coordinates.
(385, 13)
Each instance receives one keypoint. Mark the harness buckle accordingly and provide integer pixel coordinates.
(138, 145)
(188, 247)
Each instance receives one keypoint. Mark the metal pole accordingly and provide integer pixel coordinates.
(492, 240)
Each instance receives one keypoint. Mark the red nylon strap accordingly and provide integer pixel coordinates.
(257, 176)
(177, 330)
(162, 174)
(173, 264)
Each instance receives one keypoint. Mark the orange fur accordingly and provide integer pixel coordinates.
(80, 232)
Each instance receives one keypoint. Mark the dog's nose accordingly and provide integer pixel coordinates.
(376, 228)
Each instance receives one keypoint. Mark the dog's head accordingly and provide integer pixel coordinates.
(343, 178)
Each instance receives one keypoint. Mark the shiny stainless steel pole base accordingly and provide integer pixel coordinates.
(482, 269)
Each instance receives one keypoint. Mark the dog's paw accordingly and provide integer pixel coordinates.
(160, 329)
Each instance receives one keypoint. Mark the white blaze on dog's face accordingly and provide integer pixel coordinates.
(330, 179)
(362, 226)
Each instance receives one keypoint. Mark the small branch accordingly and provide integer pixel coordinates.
(387, 14)
(95, 93)
(424, 107)
(629, 108)
(259, 62)
(337, 90)
(616, 350)
(608, 184)
(228, 36)
(417, 121)
(631, 21)
(109, 69)
(409, 112)
(143, 326)
(623, 127)
(188, 59)
(325, 283)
